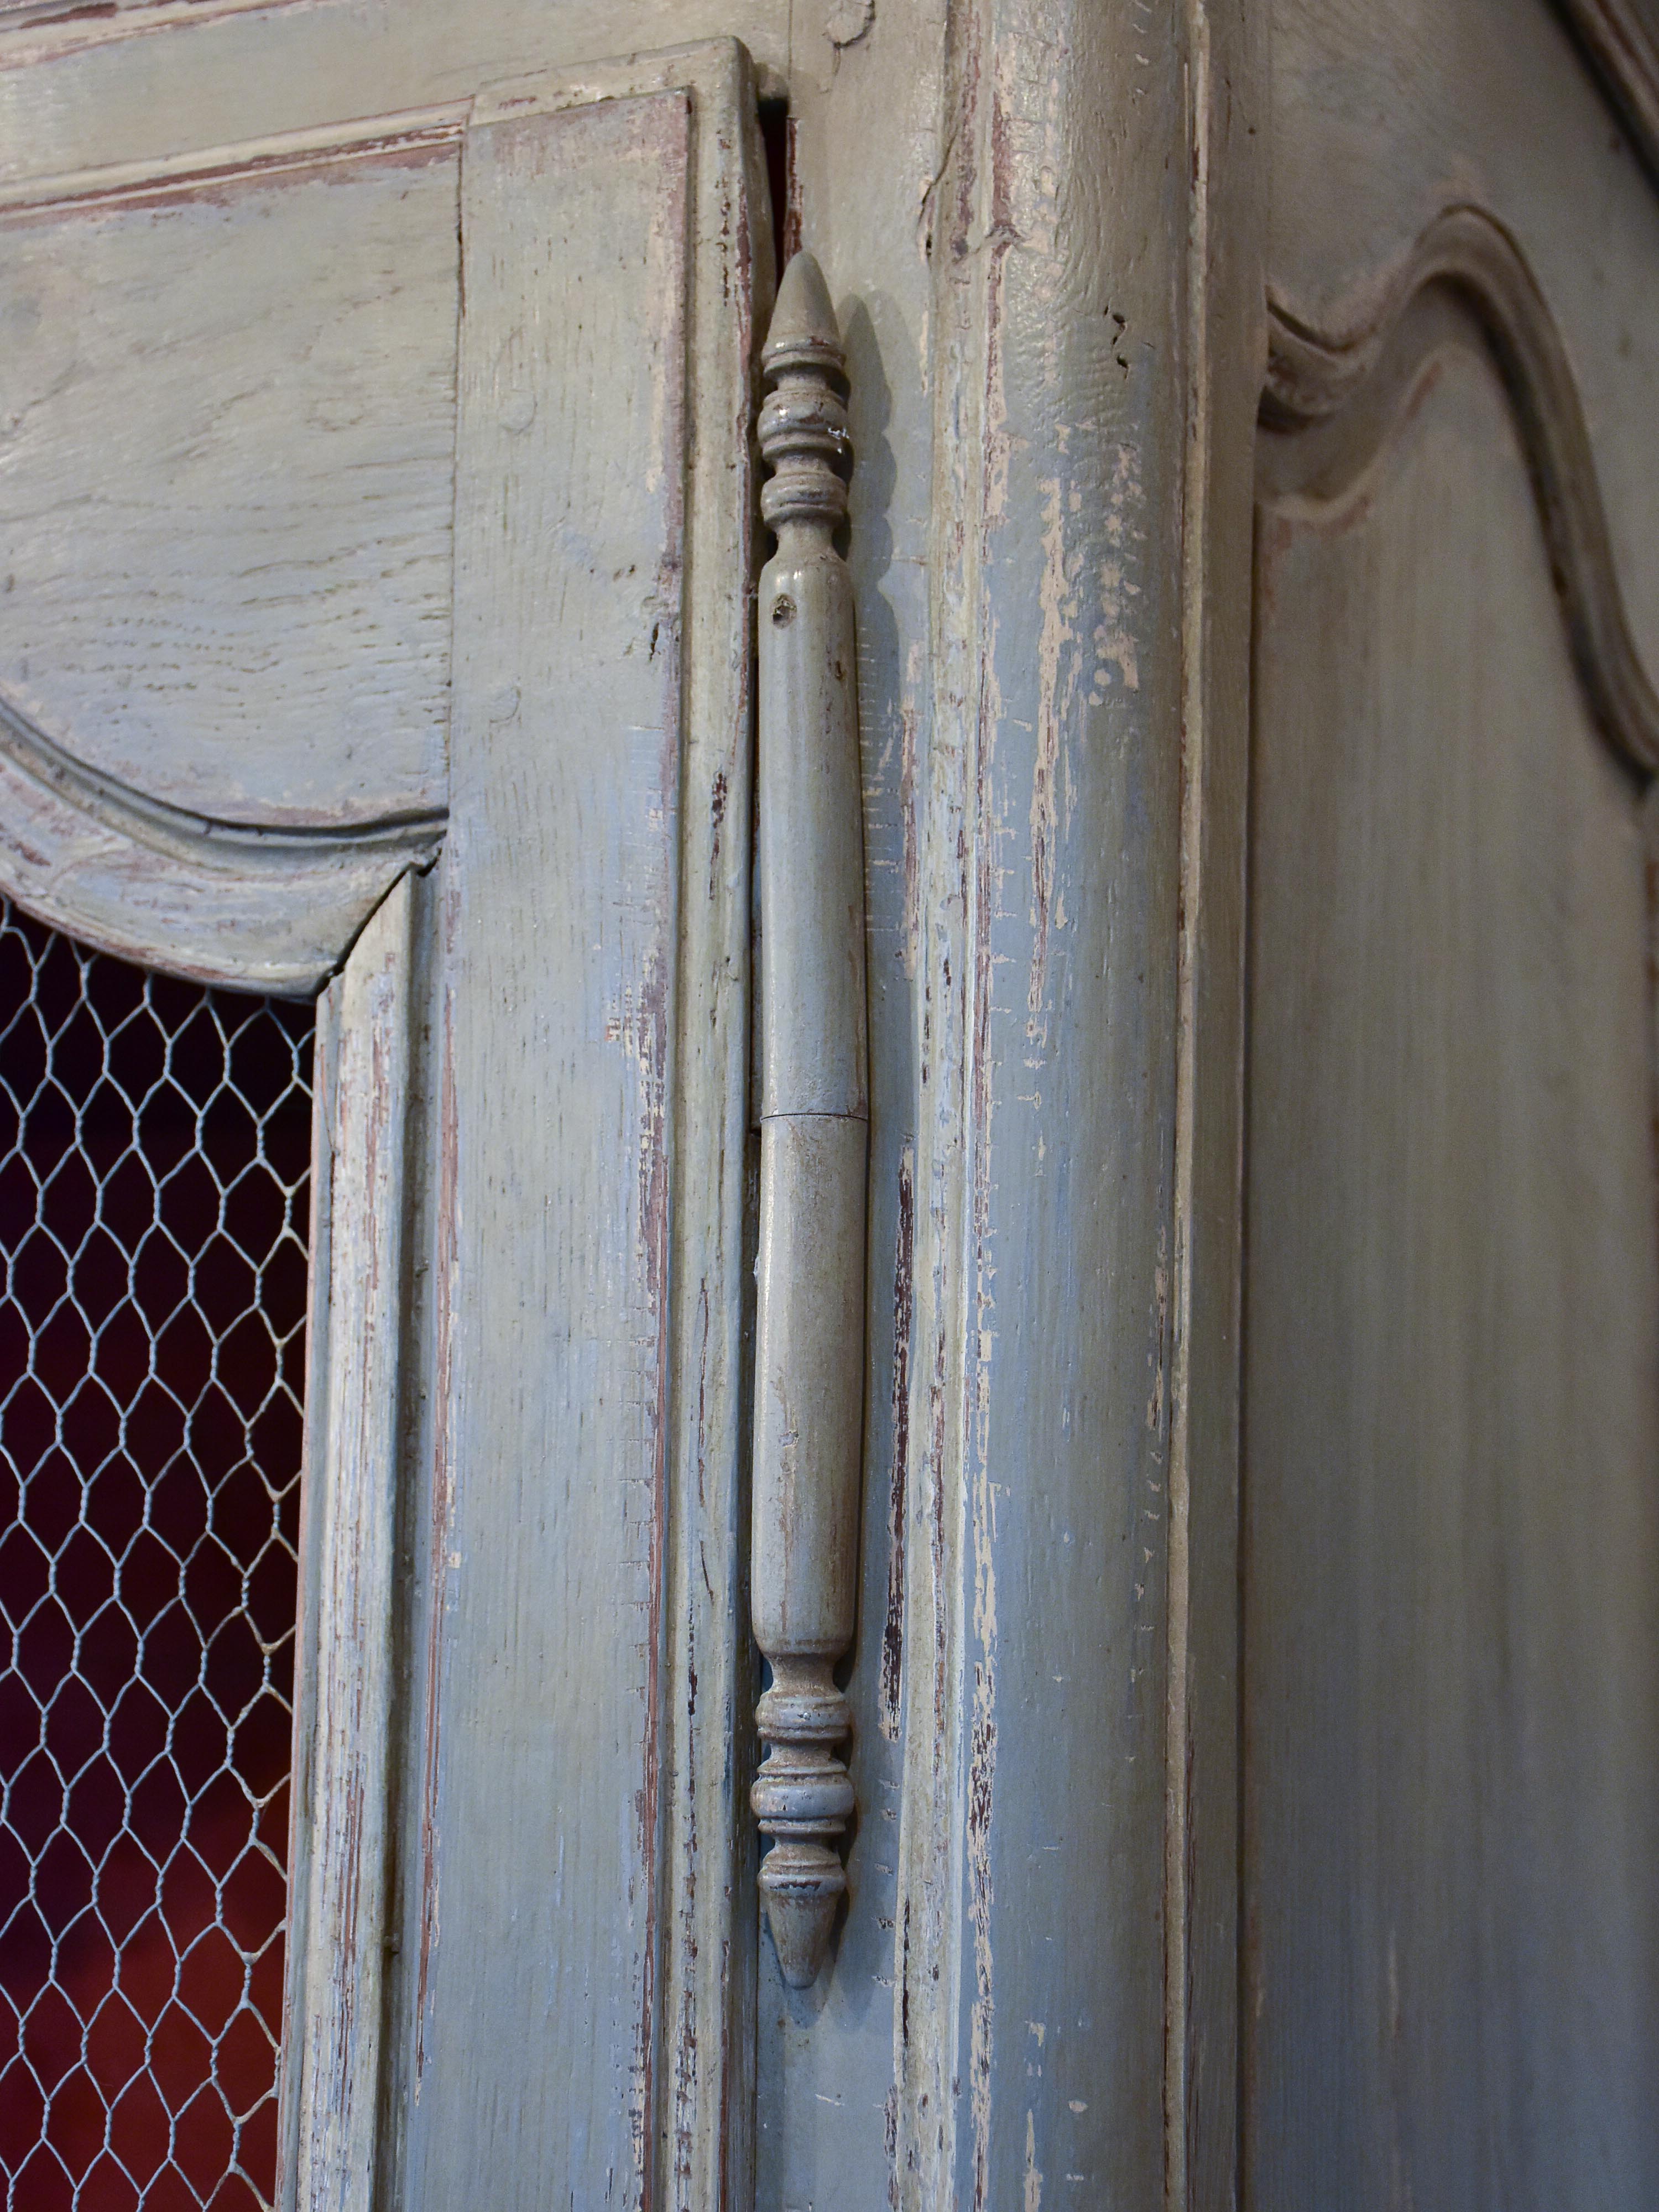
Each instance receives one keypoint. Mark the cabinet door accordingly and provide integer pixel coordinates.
(376, 500)
(1451, 1370)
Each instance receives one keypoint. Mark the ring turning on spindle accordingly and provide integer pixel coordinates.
(809, 1385)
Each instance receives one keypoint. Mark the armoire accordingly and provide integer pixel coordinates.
(1234, 427)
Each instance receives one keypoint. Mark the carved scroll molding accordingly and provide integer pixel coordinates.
(1623, 49)
(217, 901)
(1330, 404)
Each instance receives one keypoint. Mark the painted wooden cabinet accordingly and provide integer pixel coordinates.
(1246, 614)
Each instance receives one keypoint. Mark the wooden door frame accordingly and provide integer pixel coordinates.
(370, 916)
(1099, 304)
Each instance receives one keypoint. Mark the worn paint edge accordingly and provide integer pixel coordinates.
(338, 1864)
(1225, 363)
(409, 136)
(72, 26)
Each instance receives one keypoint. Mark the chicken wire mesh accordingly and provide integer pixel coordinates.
(155, 1152)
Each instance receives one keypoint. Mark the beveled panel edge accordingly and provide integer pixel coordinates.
(217, 903)
(1350, 390)
(341, 1804)
(36, 32)
(406, 134)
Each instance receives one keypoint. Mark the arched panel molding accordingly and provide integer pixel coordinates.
(218, 902)
(1331, 405)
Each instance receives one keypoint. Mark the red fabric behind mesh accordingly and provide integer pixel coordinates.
(155, 1143)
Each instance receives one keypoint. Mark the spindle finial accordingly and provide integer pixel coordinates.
(803, 422)
(803, 1799)
(809, 1326)
(803, 332)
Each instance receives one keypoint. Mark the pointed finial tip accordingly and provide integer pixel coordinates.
(803, 331)
(801, 1885)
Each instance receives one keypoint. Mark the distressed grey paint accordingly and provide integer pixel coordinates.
(230, 401)
(814, 1110)
(1034, 1805)
(540, 1826)
(339, 1848)
(1044, 501)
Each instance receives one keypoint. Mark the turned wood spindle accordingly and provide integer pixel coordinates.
(814, 1129)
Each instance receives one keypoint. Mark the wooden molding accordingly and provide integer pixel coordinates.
(406, 136)
(218, 901)
(341, 1817)
(1622, 48)
(228, 901)
(1330, 404)
(34, 30)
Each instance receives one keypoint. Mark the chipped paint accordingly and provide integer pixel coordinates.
(892, 1642)
(912, 859)
(443, 1562)
(1046, 875)
(1056, 697)
(336, 1979)
(848, 21)
(1116, 651)
(1032, 2192)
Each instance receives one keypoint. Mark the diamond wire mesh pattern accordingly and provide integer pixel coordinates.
(155, 1152)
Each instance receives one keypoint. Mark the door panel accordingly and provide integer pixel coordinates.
(230, 404)
(537, 1895)
(567, 1811)
(1450, 1511)
(379, 499)
(1452, 1374)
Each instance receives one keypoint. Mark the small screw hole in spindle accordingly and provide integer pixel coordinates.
(783, 609)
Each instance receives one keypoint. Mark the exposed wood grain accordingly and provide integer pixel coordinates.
(1035, 1776)
(703, 2067)
(705, 2018)
(35, 28)
(542, 1825)
(160, 179)
(337, 1860)
(705, 2108)
(198, 74)
(1226, 341)
(1453, 1357)
(228, 407)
